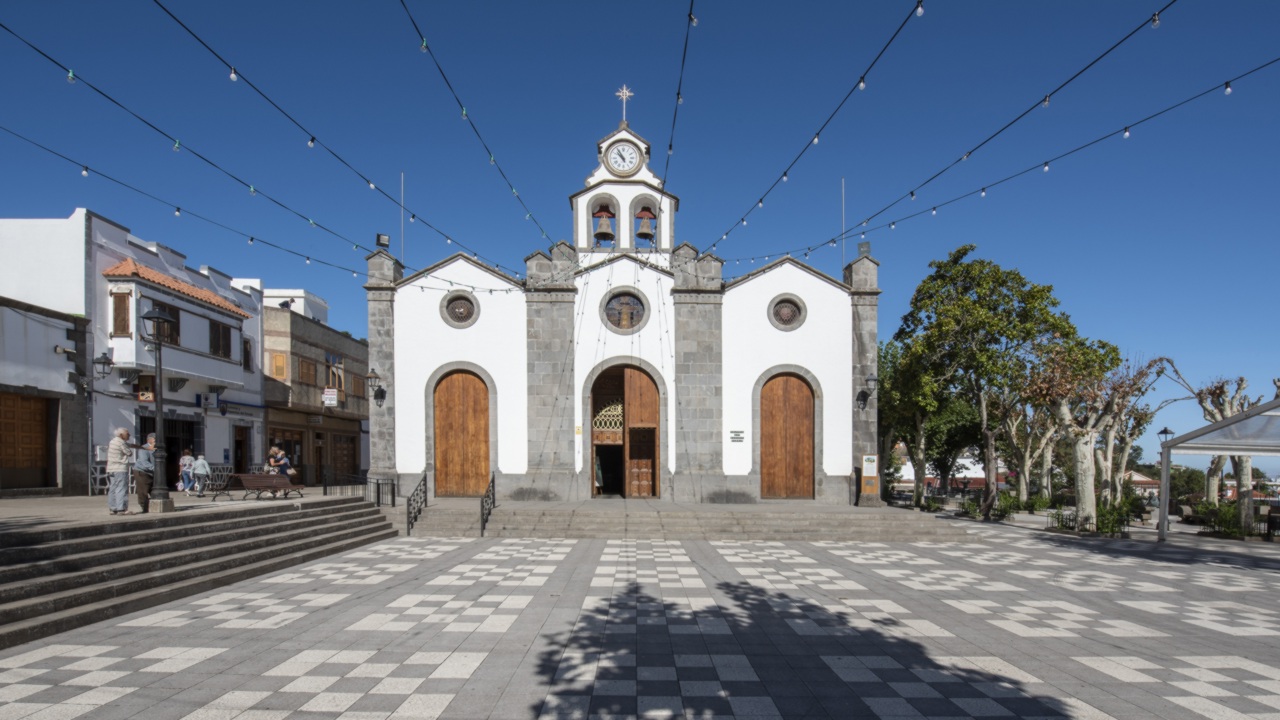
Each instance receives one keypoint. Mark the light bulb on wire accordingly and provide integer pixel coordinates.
(784, 177)
(893, 226)
(862, 83)
(234, 77)
(413, 218)
(693, 20)
(913, 194)
(371, 185)
(984, 192)
(1155, 21)
(1046, 167)
(312, 142)
(815, 139)
(250, 239)
(935, 211)
(760, 203)
(423, 48)
(177, 212)
(253, 190)
(1046, 101)
(919, 8)
(84, 171)
(1226, 90)
(177, 145)
(679, 99)
(308, 261)
(1126, 134)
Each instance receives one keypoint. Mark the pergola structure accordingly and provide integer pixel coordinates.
(1254, 432)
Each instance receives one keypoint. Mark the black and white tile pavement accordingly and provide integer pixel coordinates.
(1013, 624)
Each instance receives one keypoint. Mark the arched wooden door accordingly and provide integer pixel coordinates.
(624, 434)
(461, 435)
(786, 438)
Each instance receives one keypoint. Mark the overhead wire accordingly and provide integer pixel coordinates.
(315, 140)
(690, 23)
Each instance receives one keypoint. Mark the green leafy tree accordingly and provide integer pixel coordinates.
(907, 397)
(951, 433)
(974, 328)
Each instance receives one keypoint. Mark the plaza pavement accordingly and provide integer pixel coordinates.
(1013, 624)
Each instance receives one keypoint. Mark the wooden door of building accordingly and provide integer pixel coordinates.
(624, 434)
(461, 435)
(786, 438)
(25, 457)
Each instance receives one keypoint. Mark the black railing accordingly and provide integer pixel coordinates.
(381, 491)
(414, 504)
(334, 483)
(487, 502)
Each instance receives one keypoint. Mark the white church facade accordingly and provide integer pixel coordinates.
(623, 365)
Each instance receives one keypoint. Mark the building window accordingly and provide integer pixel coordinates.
(787, 312)
(306, 372)
(120, 307)
(219, 339)
(246, 354)
(279, 366)
(357, 385)
(625, 311)
(170, 332)
(460, 309)
(335, 377)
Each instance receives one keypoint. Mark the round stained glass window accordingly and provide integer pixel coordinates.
(625, 311)
(459, 309)
(787, 312)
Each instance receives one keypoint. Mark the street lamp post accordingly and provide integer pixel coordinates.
(161, 502)
(1162, 533)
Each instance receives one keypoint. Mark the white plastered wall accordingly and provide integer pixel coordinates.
(594, 343)
(822, 345)
(495, 342)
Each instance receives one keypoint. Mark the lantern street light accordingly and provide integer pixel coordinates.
(102, 365)
(159, 321)
(1165, 435)
(375, 381)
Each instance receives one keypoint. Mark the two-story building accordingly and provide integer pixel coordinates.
(212, 382)
(315, 391)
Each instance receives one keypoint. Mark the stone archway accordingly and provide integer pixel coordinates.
(624, 452)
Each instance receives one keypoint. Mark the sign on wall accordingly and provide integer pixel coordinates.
(870, 466)
(331, 397)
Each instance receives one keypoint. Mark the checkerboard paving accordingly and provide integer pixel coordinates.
(491, 613)
(1050, 618)
(849, 616)
(468, 574)
(634, 551)
(760, 552)
(1219, 581)
(352, 684)
(1219, 687)
(625, 614)
(1002, 558)
(409, 548)
(873, 554)
(531, 550)
(1224, 616)
(66, 681)
(1094, 581)
(341, 573)
(250, 610)
(668, 577)
(770, 579)
(947, 580)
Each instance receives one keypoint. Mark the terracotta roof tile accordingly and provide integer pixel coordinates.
(129, 268)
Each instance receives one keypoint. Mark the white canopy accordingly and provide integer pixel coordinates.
(1254, 432)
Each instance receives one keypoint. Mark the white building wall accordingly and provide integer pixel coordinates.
(495, 342)
(27, 358)
(35, 251)
(594, 343)
(823, 345)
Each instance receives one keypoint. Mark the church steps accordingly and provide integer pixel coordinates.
(145, 571)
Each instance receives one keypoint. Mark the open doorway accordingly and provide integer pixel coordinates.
(624, 433)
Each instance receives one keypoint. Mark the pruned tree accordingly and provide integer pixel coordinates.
(1029, 429)
(976, 328)
(1130, 418)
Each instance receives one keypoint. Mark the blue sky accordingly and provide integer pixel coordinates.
(1164, 243)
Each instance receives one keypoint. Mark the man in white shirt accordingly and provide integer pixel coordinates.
(118, 457)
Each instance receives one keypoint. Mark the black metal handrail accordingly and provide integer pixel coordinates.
(330, 479)
(414, 503)
(487, 502)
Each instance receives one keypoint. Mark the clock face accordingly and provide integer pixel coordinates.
(624, 157)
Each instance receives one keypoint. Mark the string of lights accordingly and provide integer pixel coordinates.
(1039, 102)
(684, 56)
(861, 84)
(312, 141)
(426, 48)
(1123, 132)
(177, 144)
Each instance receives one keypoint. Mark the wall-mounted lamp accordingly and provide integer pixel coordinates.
(375, 381)
(59, 350)
(102, 365)
(864, 395)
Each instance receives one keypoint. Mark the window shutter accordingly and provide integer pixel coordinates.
(120, 314)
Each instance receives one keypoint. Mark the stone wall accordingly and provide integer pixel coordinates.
(862, 276)
(550, 313)
(699, 375)
(384, 272)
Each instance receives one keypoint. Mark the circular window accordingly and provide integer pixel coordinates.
(787, 312)
(459, 309)
(625, 311)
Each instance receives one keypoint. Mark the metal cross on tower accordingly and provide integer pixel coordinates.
(626, 94)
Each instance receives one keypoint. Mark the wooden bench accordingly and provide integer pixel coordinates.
(257, 484)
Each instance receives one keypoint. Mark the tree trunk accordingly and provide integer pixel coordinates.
(1046, 473)
(1086, 504)
(1102, 481)
(1118, 477)
(1242, 466)
(1105, 455)
(989, 468)
(916, 450)
(1213, 478)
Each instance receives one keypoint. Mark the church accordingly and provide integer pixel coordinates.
(623, 365)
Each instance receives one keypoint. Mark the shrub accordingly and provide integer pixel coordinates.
(1037, 503)
(932, 504)
(971, 507)
(1006, 505)
(1113, 518)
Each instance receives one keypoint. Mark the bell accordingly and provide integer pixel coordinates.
(645, 231)
(604, 230)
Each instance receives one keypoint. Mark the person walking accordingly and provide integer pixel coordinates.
(144, 466)
(185, 462)
(200, 473)
(118, 456)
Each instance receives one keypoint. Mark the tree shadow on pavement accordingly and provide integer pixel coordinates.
(745, 652)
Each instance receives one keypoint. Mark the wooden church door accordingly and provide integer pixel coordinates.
(641, 441)
(786, 438)
(461, 435)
